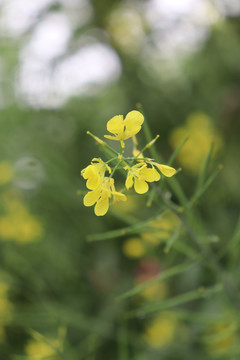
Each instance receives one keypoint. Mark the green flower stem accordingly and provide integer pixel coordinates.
(102, 143)
(176, 152)
(115, 168)
(113, 159)
(210, 259)
(175, 301)
(148, 135)
(176, 270)
(149, 144)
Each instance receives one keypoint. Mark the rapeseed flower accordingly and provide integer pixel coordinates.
(161, 330)
(123, 129)
(94, 173)
(221, 337)
(148, 269)
(19, 224)
(140, 174)
(6, 172)
(140, 170)
(36, 349)
(134, 248)
(101, 195)
(202, 132)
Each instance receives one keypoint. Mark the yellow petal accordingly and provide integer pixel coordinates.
(87, 172)
(133, 123)
(119, 196)
(129, 182)
(149, 174)
(166, 170)
(111, 137)
(102, 206)
(93, 182)
(115, 124)
(91, 197)
(140, 186)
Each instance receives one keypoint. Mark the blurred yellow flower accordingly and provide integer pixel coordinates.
(6, 172)
(201, 131)
(101, 196)
(123, 129)
(148, 269)
(134, 248)
(125, 26)
(36, 349)
(164, 226)
(156, 291)
(221, 337)
(6, 306)
(161, 330)
(130, 206)
(20, 225)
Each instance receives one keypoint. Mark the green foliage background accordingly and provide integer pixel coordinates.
(60, 286)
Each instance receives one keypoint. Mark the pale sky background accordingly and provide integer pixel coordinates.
(178, 27)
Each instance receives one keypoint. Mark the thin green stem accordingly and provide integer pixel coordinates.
(115, 168)
(209, 257)
(113, 159)
(102, 143)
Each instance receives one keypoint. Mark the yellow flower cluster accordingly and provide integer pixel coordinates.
(36, 349)
(6, 172)
(221, 337)
(161, 330)
(17, 223)
(144, 171)
(201, 131)
(6, 307)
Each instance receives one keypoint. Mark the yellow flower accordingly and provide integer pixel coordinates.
(94, 173)
(6, 172)
(123, 129)
(201, 131)
(163, 228)
(164, 169)
(20, 225)
(36, 349)
(101, 196)
(155, 292)
(140, 174)
(134, 248)
(6, 306)
(161, 330)
(221, 337)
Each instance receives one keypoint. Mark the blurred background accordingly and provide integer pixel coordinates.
(68, 66)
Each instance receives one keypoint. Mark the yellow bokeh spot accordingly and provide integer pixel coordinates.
(161, 330)
(201, 132)
(126, 28)
(6, 306)
(221, 337)
(6, 172)
(163, 226)
(134, 248)
(155, 292)
(39, 349)
(18, 224)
